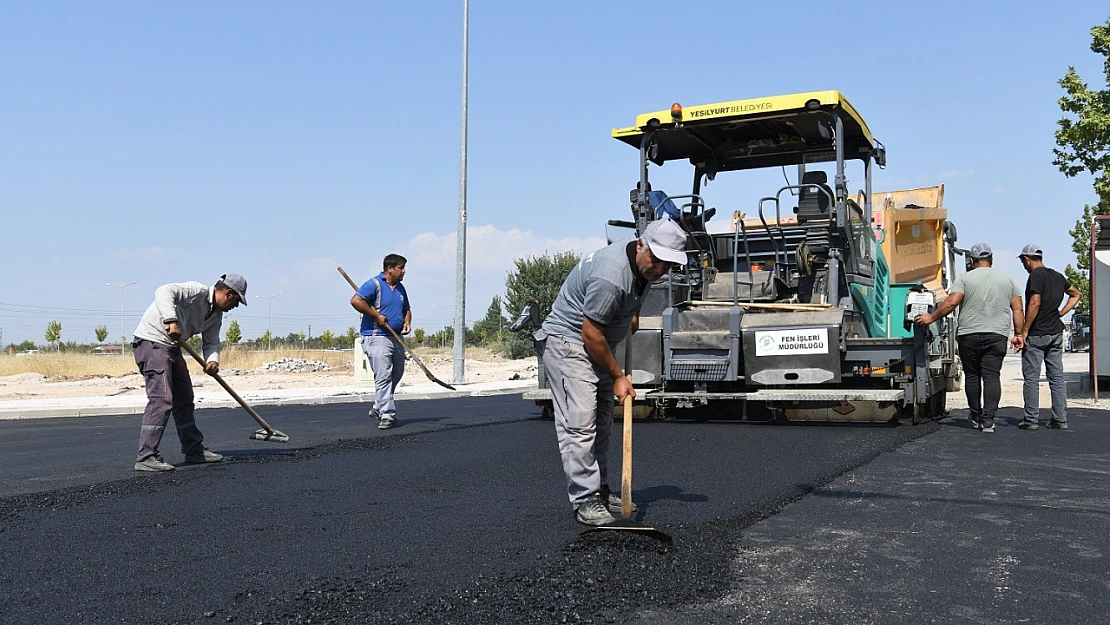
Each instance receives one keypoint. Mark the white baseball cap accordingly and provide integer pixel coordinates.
(667, 240)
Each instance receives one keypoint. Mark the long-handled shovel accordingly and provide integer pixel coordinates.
(401, 341)
(267, 433)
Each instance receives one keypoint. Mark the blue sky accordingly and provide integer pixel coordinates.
(165, 142)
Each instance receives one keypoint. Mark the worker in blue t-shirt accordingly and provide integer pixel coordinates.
(383, 301)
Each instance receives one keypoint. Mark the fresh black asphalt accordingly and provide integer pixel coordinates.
(458, 515)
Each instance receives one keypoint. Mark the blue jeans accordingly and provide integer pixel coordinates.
(981, 354)
(1049, 349)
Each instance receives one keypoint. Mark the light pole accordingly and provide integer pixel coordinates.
(269, 299)
(459, 351)
(122, 330)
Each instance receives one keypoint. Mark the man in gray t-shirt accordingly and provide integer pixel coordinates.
(990, 306)
(597, 305)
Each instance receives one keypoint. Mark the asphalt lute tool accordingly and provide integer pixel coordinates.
(625, 523)
(267, 433)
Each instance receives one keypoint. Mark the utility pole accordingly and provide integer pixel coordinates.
(459, 352)
(269, 336)
(122, 329)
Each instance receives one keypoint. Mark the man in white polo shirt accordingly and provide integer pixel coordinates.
(596, 307)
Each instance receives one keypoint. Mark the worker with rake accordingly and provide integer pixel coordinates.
(179, 312)
(597, 305)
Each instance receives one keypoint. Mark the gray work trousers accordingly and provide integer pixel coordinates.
(582, 395)
(387, 361)
(1049, 349)
(169, 391)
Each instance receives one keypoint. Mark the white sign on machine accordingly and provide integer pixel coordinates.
(795, 341)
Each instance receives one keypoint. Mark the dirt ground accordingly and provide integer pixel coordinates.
(38, 386)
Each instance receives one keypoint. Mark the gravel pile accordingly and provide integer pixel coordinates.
(293, 365)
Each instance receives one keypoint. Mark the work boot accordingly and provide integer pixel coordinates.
(203, 456)
(1028, 425)
(153, 463)
(385, 423)
(593, 512)
(1053, 424)
(614, 500)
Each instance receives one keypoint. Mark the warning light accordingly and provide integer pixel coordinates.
(676, 112)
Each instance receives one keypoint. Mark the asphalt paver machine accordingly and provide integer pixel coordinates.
(792, 312)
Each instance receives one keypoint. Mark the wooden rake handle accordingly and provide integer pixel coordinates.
(230, 391)
(626, 461)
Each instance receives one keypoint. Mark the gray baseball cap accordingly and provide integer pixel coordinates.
(980, 251)
(236, 283)
(1031, 250)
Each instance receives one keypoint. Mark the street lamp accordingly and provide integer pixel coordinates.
(122, 330)
(269, 299)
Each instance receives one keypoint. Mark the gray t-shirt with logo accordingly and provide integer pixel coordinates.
(986, 304)
(602, 287)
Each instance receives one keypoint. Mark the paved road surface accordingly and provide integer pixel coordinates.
(459, 516)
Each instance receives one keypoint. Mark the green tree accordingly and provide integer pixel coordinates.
(418, 336)
(101, 333)
(194, 342)
(1083, 137)
(1079, 275)
(327, 338)
(534, 278)
(1083, 140)
(492, 326)
(234, 333)
(53, 332)
(266, 338)
(351, 336)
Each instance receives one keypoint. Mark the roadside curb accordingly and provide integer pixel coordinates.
(134, 405)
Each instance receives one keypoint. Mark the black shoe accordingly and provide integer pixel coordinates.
(1028, 425)
(975, 422)
(1053, 424)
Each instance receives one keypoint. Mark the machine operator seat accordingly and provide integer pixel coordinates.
(814, 204)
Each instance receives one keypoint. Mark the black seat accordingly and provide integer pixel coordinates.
(814, 204)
